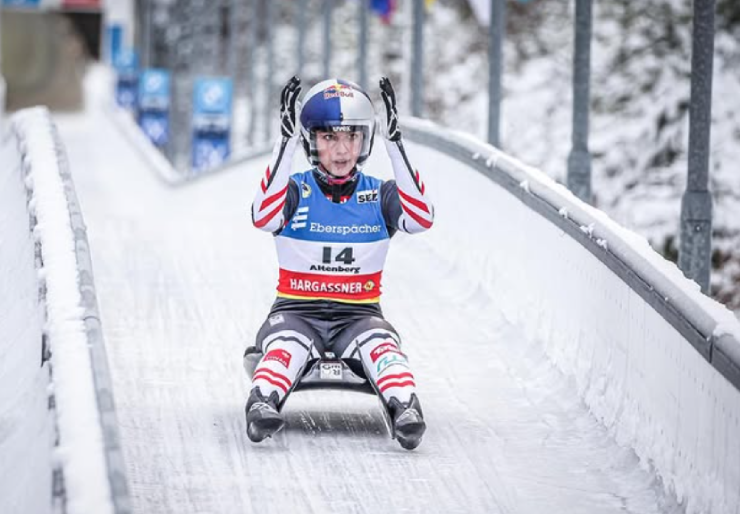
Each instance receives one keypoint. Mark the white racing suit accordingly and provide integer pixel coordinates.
(332, 242)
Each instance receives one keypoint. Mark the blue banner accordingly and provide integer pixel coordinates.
(21, 3)
(114, 34)
(127, 81)
(212, 96)
(126, 62)
(156, 126)
(209, 150)
(126, 94)
(154, 90)
(383, 7)
(212, 101)
(154, 105)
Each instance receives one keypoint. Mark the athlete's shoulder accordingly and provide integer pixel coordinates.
(369, 180)
(389, 186)
(301, 176)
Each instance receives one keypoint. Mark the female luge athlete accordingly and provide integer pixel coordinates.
(332, 226)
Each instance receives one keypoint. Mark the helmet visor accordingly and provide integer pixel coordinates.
(352, 141)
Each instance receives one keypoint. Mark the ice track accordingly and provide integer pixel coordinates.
(184, 282)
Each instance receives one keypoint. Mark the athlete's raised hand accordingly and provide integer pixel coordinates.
(392, 131)
(288, 100)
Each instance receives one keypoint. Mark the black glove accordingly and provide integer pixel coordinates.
(393, 133)
(288, 100)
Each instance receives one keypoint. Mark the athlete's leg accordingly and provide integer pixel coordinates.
(377, 345)
(285, 341)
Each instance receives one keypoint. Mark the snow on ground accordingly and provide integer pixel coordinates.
(184, 283)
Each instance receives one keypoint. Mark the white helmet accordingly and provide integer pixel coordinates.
(336, 103)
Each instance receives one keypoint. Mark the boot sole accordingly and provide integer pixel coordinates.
(409, 434)
(261, 429)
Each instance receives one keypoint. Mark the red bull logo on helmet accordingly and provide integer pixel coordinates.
(338, 90)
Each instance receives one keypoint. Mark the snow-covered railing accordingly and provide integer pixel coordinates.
(88, 450)
(26, 417)
(655, 360)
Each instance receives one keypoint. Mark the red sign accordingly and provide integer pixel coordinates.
(81, 4)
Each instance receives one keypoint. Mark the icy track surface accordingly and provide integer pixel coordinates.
(184, 282)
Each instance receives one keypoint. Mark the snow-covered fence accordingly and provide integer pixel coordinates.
(655, 360)
(26, 422)
(88, 455)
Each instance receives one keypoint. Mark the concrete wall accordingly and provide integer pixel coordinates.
(43, 60)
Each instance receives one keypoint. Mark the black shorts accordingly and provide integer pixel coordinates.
(332, 326)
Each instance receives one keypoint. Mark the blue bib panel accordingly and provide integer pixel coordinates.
(358, 220)
(330, 250)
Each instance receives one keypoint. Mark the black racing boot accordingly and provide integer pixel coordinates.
(408, 422)
(263, 418)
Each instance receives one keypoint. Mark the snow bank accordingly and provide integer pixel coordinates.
(654, 359)
(87, 450)
(26, 423)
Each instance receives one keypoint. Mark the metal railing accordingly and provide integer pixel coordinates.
(96, 342)
(35, 121)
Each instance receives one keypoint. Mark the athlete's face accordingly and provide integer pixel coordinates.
(338, 151)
